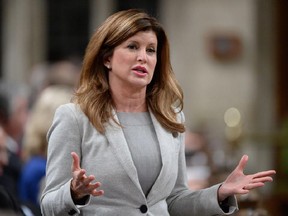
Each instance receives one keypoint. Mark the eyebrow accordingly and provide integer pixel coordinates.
(135, 41)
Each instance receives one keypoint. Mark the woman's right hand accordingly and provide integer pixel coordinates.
(81, 184)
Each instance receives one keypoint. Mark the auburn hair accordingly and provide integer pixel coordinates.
(163, 95)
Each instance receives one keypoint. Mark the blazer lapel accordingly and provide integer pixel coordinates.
(165, 140)
(116, 139)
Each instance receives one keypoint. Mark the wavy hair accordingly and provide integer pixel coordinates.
(163, 95)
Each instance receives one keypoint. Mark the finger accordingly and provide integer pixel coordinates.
(97, 192)
(79, 182)
(264, 173)
(263, 179)
(93, 189)
(76, 162)
(88, 180)
(253, 186)
(80, 175)
(242, 163)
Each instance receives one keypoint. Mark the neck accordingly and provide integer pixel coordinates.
(129, 102)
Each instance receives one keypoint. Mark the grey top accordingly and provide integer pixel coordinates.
(144, 147)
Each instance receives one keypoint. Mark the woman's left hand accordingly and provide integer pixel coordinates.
(239, 183)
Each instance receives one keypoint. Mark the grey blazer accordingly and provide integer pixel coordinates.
(108, 158)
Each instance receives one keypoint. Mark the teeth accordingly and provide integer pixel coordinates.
(140, 71)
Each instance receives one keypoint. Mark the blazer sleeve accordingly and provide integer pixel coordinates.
(64, 136)
(185, 202)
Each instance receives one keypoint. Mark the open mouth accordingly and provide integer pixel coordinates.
(141, 70)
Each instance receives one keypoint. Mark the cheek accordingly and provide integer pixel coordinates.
(153, 63)
(121, 59)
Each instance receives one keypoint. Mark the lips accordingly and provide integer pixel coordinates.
(140, 69)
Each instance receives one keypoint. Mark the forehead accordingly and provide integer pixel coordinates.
(148, 36)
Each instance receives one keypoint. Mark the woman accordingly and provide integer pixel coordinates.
(124, 131)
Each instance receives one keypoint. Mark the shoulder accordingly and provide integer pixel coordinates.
(67, 123)
(67, 117)
(71, 110)
(71, 115)
(68, 107)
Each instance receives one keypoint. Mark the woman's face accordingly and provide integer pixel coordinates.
(133, 62)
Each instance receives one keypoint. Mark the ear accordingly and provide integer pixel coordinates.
(107, 62)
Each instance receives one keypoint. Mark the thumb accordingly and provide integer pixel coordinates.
(242, 163)
(76, 162)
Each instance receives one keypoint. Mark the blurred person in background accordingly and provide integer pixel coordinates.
(9, 205)
(64, 72)
(118, 149)
(35, 142)
(13, 117)
(62, 75)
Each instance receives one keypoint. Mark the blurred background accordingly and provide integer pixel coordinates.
(230, 57)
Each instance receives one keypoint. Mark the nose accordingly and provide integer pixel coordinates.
(142, 55)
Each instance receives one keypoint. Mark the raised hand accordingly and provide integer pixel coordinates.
(239, 183)
(81, 184)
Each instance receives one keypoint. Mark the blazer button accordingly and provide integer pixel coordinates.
(143, 208)
(175, 134)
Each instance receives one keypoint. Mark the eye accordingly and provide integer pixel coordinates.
(151, 50)
(132, 46)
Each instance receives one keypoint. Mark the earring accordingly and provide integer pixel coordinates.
(108, 67)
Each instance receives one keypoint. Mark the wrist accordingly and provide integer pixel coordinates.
(221, 193)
